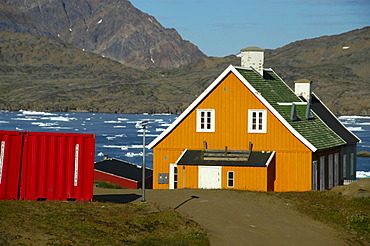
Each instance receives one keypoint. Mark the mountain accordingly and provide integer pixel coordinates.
(46, 66)
(338, 65)
(44, 74)
(111, 28)
(49, 75)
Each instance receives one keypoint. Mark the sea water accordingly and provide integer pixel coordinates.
(121, 135)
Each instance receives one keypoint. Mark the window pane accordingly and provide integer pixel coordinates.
(260, 121)
(254, 120)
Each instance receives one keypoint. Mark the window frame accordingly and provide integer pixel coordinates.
(261, 120)
(212, 117)
(232, 179)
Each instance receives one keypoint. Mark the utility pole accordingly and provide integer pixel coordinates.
(143, 124)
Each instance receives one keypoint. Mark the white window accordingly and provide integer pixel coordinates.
(257, 121)
(230, 179)
(205, 120)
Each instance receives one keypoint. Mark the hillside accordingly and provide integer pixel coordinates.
(45, 74)
(338, 65)
(112, 28)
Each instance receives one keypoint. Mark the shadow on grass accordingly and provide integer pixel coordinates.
(124, 198)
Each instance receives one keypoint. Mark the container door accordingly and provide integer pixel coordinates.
(10, 164)
(209, 177)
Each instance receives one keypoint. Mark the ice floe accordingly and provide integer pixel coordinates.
(362, 174)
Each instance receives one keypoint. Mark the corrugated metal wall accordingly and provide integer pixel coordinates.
(10, 163)
(57, 166)
(52, 166)
(231, 101)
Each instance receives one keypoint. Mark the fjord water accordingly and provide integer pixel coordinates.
(121, 135)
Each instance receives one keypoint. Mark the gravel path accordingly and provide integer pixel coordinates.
(237, 218)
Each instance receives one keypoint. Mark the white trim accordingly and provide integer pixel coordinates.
(212, 117)
(273, 110)
(270, 158)
(189, 109)
(232, 69)
(336, 118)
(182, 154)
(228, 179)
(172, 176)
(2, 153)
(77, 148)
(250, 120)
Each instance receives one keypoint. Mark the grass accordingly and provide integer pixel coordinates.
(95, 223)
(351, 215)
(107, 185)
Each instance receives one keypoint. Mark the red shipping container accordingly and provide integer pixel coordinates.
(10, 163)
(57, 166)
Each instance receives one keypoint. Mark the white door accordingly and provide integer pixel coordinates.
(209, 177)
(173, 176)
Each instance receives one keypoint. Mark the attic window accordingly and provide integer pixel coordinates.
(205, 120)
(257, 121)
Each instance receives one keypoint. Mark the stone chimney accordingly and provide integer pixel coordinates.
(252, 57)
(302, 87)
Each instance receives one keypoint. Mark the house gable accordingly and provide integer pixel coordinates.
(231, 99)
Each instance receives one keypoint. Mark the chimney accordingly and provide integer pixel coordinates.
(302, 87)
(252, 57)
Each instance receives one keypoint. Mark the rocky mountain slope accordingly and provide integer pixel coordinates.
(43, 74)
(39, 73)
(338, 65)
(112, 28)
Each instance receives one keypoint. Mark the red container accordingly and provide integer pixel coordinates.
(57, 166)
(10, 163)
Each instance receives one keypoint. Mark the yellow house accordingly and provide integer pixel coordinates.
(248, 130)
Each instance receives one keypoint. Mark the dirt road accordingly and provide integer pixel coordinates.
(237, 218)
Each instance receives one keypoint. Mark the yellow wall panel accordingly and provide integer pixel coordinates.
(251, 178)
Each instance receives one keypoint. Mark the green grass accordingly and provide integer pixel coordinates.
(106, 185)
(95, 223)
(351, 215)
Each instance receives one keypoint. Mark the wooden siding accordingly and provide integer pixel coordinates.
(250, 178)
(231, 100)
(326, 153)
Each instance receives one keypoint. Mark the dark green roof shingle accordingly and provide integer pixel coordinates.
(275, 91)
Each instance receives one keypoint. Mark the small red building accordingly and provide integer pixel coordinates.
(124, 174)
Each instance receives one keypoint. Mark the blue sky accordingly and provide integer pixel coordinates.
(223, 27)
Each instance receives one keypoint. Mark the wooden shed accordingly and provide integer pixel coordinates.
(250, 104)
(122, 173)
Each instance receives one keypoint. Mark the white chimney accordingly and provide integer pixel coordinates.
(252, 57)
(302, 87)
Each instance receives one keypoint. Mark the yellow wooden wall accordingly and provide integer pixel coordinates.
(231, 101)
(251, 178)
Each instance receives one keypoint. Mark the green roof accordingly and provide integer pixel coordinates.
(275, 91)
